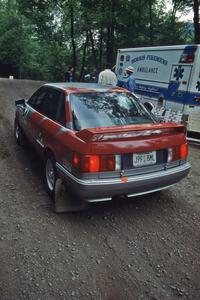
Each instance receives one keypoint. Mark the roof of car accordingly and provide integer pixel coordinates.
(76, 86)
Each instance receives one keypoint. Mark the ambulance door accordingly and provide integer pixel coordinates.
(181, 74)
(179, 84)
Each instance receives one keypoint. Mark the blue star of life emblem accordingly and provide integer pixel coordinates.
(198, 86)
(178, 73)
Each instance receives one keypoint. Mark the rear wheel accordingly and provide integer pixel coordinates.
(64, 201)
(50, 174)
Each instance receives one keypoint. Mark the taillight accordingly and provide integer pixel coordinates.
(190, 58)
(86, 163)
(184, 151)
(107, 163)
(187, 58)
(197, 99)
(96, 163)
(178, 152)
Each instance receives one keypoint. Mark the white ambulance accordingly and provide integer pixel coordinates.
(166, 75)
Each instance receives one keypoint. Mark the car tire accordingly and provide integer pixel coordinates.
(19, 135)
(50, 174)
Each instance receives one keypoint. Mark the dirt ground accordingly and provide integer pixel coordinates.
(146, 247)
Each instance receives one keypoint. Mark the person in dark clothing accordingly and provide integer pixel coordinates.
(69, 76)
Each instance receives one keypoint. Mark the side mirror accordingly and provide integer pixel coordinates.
(20, 102)
(149, 106)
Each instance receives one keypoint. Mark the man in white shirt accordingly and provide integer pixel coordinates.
(107, 76)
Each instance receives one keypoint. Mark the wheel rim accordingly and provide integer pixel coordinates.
(50, 175)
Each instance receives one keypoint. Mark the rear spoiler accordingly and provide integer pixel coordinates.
(129, 132)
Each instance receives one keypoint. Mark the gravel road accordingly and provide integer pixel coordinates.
(146, 247)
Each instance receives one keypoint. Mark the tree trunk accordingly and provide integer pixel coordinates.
(174, 10)
(72, 36)
(108, 45)
(101, 47)
(196, 22)
(150, 23)
(83, 59)
(110, 35)
(93, 50)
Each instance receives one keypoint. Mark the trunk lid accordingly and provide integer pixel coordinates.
(134, 138)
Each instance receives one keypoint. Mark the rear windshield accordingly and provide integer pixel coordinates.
(90, 110)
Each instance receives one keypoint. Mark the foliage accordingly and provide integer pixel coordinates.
(11, 27)
(41, 38)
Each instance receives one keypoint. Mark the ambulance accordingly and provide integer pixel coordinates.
(167, 76)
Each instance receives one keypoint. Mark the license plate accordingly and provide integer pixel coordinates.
(144, 159)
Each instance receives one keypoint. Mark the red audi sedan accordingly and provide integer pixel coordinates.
(101, 141)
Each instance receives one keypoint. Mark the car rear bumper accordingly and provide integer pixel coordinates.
(94, 190)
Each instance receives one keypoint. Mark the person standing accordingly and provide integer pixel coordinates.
(107, 76)
(69, 76)
(130, 84)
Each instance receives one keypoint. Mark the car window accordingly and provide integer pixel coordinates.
(90, 110)
(61, 113)
(37, 98)
(49, 102)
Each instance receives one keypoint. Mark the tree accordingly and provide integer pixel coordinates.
(196, 5)
(41, 38)
(12, 41)
(184, 6)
